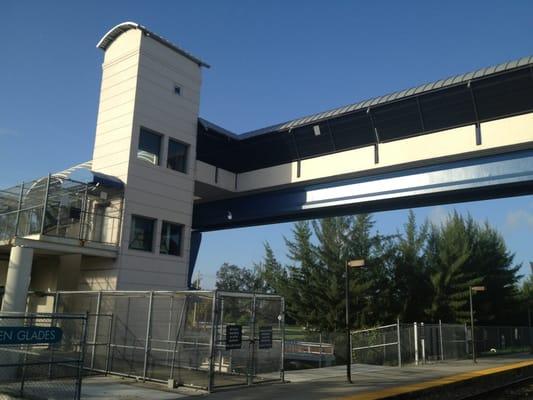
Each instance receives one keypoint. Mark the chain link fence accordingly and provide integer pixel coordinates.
(400, 344)
(381, 345)
(418, 343)
(179, 338)
(41, 355)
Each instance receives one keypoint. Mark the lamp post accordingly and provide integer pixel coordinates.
(474, 289)
(349, 264)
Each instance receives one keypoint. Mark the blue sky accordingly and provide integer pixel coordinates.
(271, 61)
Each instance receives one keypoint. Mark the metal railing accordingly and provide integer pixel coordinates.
(379, 345)
(62, 208)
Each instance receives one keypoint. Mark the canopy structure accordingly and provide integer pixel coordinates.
(119, 29)
(76, 202)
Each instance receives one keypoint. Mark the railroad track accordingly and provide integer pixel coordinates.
(521, 389)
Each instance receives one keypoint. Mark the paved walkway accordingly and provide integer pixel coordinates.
(369, 382)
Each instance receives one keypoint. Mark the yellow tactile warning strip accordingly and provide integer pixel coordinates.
(394, 391)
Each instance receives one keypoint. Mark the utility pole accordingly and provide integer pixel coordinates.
(349, 264)
(474, 289)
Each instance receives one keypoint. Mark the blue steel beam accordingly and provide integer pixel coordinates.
(503, 175)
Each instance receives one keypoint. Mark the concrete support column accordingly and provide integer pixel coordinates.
(18, 279)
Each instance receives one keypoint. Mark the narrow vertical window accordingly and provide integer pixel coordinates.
(142, 233)
(177, 156)
(170, 239)
(149, 147)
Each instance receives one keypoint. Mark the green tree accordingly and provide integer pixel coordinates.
(493, 263)
(463, 253)
(450, 247)
(411, 278)
(232, 278)
(373, 286)
(302, 291)
(271, 275)
(315, 290)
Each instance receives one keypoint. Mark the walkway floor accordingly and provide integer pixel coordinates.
(369, 382)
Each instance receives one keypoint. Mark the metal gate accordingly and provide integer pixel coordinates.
(42, 355)
(248, 339)
(179, 338)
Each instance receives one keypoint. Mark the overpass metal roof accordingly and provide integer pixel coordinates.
(432, 86)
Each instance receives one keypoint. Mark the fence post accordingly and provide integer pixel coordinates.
(251, 363)
(54, 311)
(17, 220)
(398, 332)
(320, 350)
(96, 322)
(178, 331)
(170, 311)
(148, 334)
(25, 349)
(109, 338)
(81, 360)
(441, 341)
(423, 342)
(466, 339)
(282, 367)
(45, 204)
(83, 215)
(415, 328)
(212, 343)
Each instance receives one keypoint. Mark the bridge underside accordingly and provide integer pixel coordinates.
(481, 178)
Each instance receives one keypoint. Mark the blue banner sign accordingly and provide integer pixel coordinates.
(30, 335)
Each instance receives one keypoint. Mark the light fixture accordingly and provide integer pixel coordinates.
(356, 263)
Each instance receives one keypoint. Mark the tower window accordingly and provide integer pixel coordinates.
(142, 233)
(170, 239)
(177, 156)
(177, 90)
(149, 146)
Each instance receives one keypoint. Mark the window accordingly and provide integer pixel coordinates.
(142, 233)
(170, 239)
(177, 156)
(177, 90)
(149, 146)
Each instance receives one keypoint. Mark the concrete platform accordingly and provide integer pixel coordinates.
(369, 382)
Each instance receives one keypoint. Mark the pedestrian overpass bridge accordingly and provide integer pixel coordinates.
(469, 137)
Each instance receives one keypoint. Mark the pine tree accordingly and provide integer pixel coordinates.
(374, 285)
(411, 277)
(492, 262)
(462, 253)
(303, 285)
(271, 274)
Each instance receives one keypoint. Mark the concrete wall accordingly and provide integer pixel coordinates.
(98, 273)
(139, 76)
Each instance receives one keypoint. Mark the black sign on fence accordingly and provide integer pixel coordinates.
(29, 335)
(265, 337)
(233, 337)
